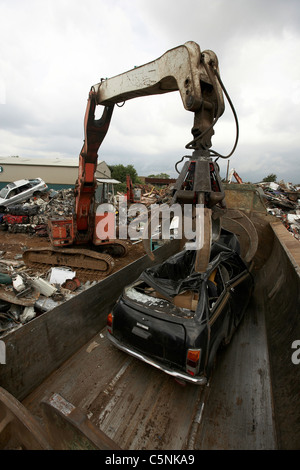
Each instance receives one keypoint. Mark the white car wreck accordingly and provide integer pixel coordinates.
(21, 190)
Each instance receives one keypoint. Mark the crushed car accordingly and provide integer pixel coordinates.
(21, 190)
(176, 319)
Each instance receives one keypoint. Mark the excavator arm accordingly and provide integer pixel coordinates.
(185, 69)
(195, 75)
(181, 68)
(85, 187)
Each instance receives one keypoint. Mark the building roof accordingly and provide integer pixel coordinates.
(59, 161)
(159, 180)
(107, 180)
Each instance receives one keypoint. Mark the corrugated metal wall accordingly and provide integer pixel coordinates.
(55, 176)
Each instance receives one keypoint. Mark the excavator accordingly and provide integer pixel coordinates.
(195, 74)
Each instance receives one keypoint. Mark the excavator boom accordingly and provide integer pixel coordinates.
(185, 69)
(182, 69)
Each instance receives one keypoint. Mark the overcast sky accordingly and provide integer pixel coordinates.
(53, 51)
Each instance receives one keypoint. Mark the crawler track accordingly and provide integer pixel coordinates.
(118, 248)
(77, 258)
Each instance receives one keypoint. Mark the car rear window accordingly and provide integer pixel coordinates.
(34, 182)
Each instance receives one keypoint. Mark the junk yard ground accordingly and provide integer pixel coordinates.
(21, 232)
(23, 286)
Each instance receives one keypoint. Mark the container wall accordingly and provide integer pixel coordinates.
(278, 293)
(39, 347)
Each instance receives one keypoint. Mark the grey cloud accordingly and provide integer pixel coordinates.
(48, 78)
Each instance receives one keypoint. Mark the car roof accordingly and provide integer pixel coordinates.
(20, 182)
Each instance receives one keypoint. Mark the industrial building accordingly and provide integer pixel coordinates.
(58, 173)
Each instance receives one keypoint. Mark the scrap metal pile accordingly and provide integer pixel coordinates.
(154, 195)
(32, 217)
(24, 295)
(283, 201)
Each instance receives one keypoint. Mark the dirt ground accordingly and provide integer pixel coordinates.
(12, 246)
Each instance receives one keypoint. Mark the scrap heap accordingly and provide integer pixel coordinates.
(154, 195)
(283, 201)
(32, 217)
(24, 295)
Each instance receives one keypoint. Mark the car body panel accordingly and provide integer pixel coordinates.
(177, 374)
(154, 336)
(148, 323)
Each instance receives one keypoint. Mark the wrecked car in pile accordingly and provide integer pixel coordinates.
(21, 190)
(176, 319)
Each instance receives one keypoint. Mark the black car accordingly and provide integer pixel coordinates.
(176, 319)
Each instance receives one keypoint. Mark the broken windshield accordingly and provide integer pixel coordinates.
(3, 192)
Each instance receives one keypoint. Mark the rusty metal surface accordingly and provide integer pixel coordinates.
(135, 405)
(251, 401)
(279, 283)
(9, 295)
(34, 351)
(238, 412)
(18, 428)
(68, 428)
(139, 407)
(203, 254)
(246, 405)
(244, 197)
(237, 222)
(65, 427)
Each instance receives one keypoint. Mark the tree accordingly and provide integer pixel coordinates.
(271, 178)
(119, 172)
(160, 175)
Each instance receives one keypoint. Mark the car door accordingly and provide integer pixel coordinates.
(11, 196)
(219, 313)
(23, 193)
(240, 293)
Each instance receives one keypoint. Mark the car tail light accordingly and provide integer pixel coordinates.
(193, 361)
(110, 322)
